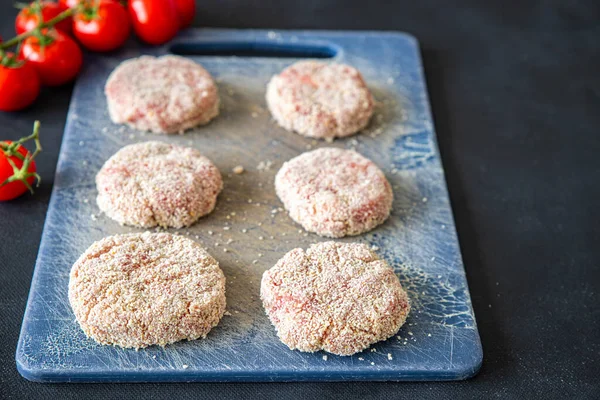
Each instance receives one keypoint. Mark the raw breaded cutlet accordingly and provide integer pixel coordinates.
(144, 289)
(334, 192)
(157, 184)
(336, 297)
(320, 100)
(167, 94)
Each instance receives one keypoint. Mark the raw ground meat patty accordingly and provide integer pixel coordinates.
(154, 183)
(167, 94)
(337, 297)
(320, 100)
(334, 192)
(142, 289)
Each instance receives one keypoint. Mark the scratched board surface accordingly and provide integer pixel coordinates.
(248, 232)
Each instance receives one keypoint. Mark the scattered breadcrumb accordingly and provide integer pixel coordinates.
(390, 356)
(325, 358)
(238, 170)
(264, 165)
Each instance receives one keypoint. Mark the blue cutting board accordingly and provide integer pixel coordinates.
(440, 339)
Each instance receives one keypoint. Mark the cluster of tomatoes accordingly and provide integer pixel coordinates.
(50, 35)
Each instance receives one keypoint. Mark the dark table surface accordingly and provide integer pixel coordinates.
(515, 92)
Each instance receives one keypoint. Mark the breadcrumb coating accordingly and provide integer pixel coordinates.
(337, 297)
(320, 100)
(143, 289)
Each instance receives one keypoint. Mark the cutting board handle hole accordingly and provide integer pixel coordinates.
(255, 49)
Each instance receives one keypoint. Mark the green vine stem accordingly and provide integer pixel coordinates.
(37, 31)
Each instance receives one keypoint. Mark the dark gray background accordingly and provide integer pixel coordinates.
(515, 92)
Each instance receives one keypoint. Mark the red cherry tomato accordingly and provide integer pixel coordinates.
(14, 189)
(27, 18)
(57, 58)
(19, 84)
(154, 21)
(102, 27)
(186, 9)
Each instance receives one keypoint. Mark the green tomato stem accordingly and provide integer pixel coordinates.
(48, 24)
